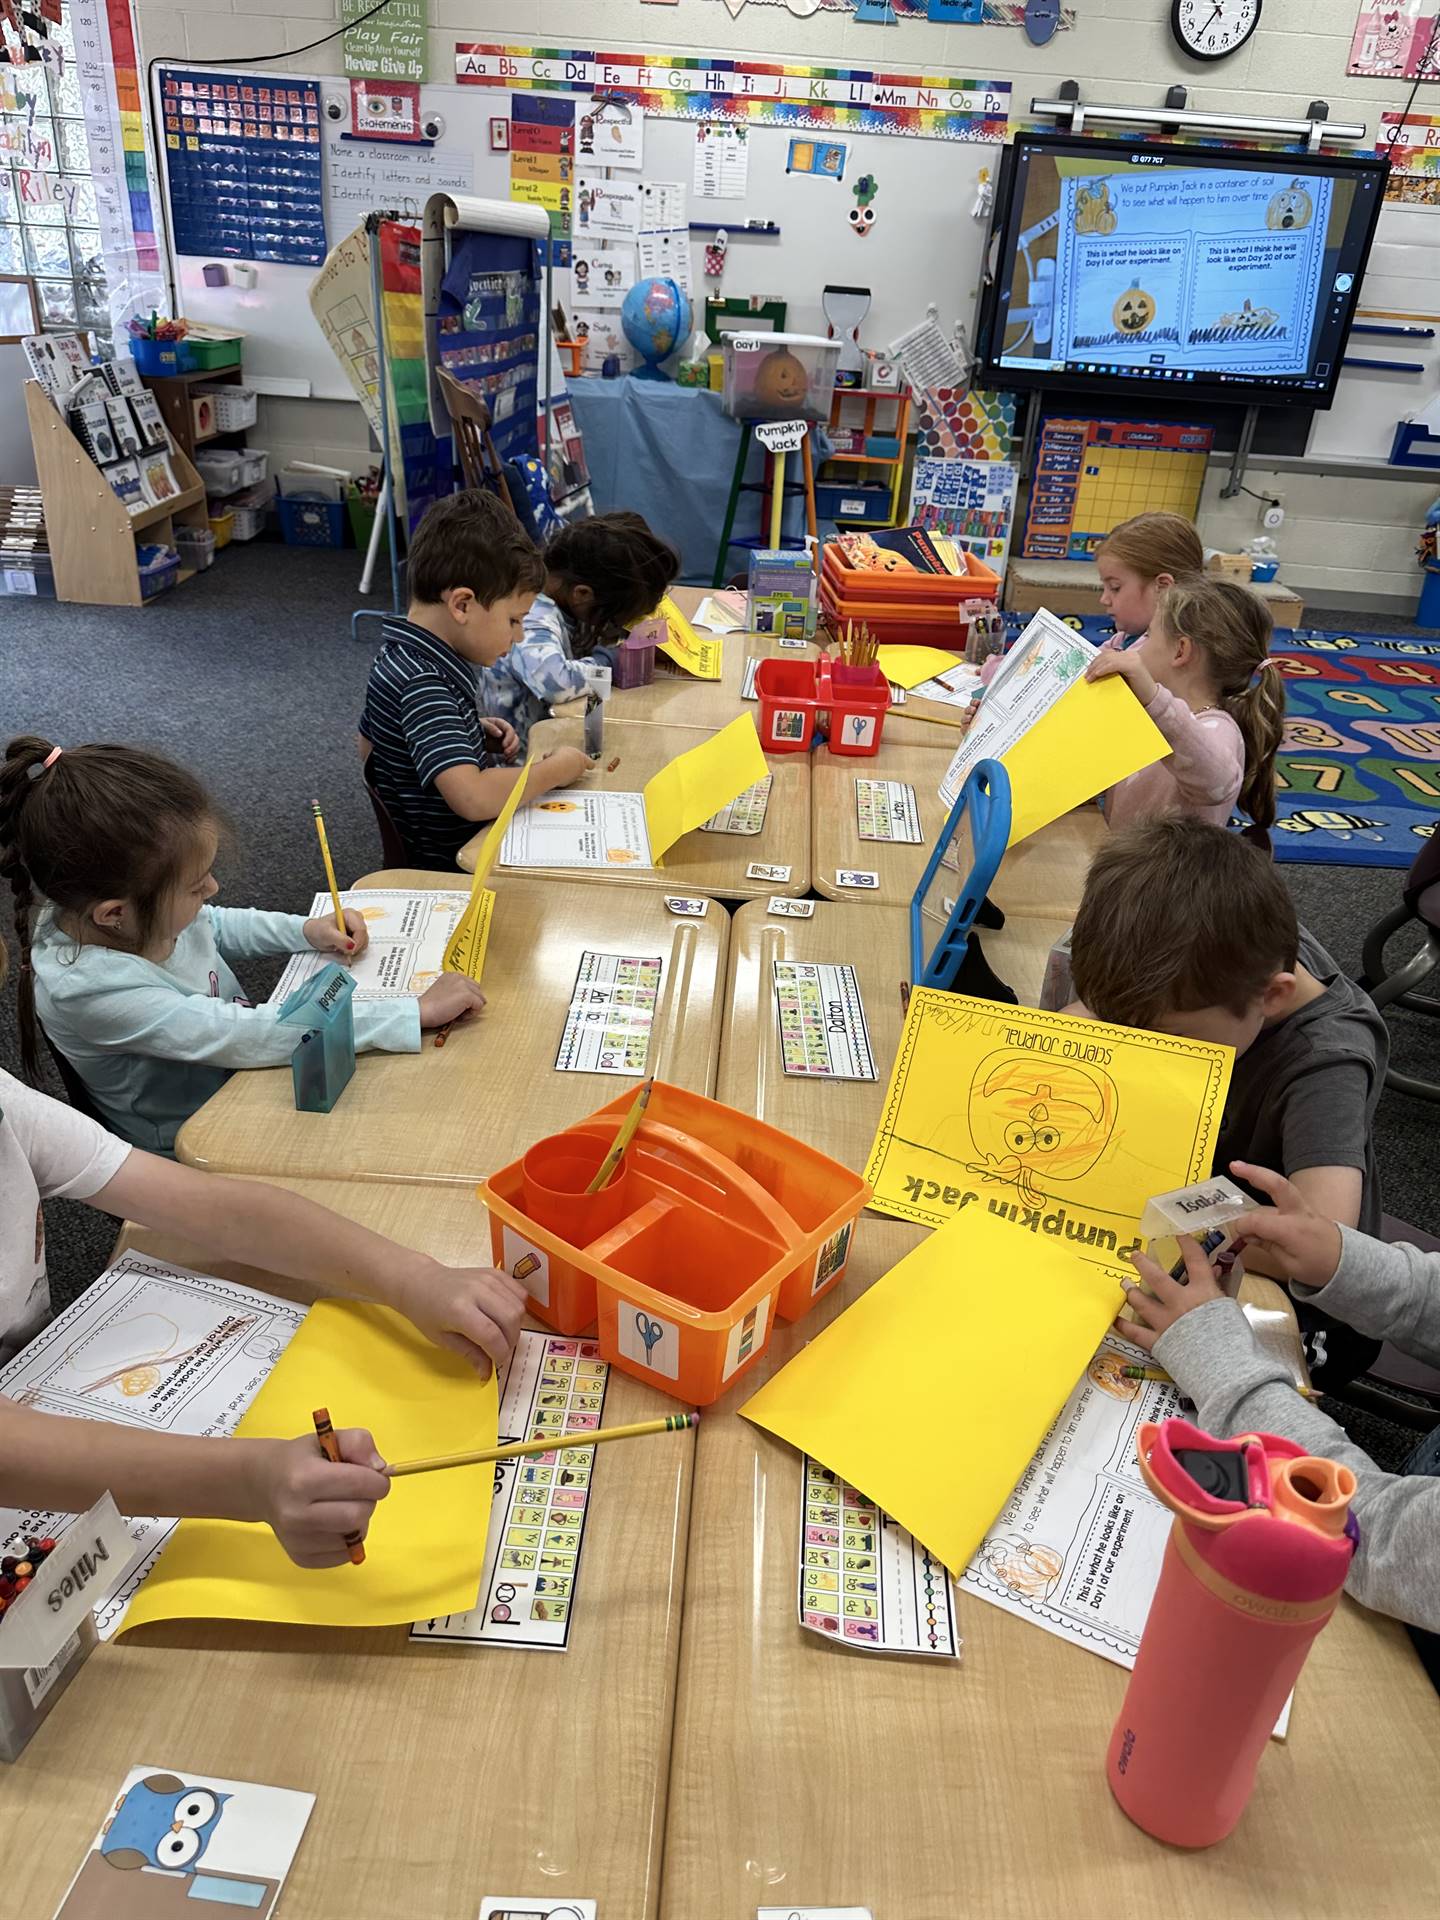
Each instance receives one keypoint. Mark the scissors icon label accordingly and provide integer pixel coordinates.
(654, 1343)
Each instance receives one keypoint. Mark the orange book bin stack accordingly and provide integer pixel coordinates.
(713, 1225)
(903, 608)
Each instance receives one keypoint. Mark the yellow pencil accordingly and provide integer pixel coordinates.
(622, 1139)
(672, 1423)
(329, 868)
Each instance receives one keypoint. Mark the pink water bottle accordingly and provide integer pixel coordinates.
(1257, 1555)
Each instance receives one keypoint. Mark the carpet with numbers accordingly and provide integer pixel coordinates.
(1359, 766)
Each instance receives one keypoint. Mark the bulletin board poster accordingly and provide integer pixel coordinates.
(392, 44)
(542, 156)
(1413, 143)
(1396, 42)
(1092, 474)
(244, 162)
(971, 501)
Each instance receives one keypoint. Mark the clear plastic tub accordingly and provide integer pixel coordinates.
(233, 407)
(779, 376)
(228, 469)
(196, 547)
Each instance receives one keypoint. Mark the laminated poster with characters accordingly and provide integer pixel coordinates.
(1180, 269)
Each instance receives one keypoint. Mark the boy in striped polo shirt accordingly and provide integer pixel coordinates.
(438, 766)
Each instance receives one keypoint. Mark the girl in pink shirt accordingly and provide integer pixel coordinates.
(1203, 674)
(1137, 561)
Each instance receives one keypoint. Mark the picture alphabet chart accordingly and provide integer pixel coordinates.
(155, 1347)
(612, 1005)
(745, 813)
(887, 810)
(553, 1385)
(823, 1033)
(408, 932)
(864, 1581)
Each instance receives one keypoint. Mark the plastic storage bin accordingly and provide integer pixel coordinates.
(196, 547)
(159, 568)
(779, 376)
(222, 525)
(209, 355)
(858, 505)
(228, 469)
(250, 509)
(158, 358)
(793, 694)
(234, 407)
(720, 1224)
(360, 510)
(312, 523)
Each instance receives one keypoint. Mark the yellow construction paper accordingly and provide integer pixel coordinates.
(908, 666)
(696, 784)
(699, 653)
(1096, 733)
(931, 1393)
(426, 1545)
(1063, 1128)
(471, 939)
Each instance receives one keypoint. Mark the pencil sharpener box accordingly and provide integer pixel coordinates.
(722, 1225)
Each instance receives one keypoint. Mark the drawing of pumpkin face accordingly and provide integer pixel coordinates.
(1290, 210)
(782, 380)
(1027, 1567)
(1134, 310)
(1041, 1117)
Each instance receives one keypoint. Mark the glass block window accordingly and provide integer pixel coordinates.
(58, 243)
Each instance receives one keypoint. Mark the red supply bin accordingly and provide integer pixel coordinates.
(793, 694)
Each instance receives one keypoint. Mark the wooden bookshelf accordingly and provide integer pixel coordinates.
(92, 536)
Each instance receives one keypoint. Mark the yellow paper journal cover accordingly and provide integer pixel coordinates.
(426, 1547)
(1063, 1128)
(933, 1390)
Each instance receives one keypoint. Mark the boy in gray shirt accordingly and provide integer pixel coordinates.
(1187, 929)
(1204, 1342)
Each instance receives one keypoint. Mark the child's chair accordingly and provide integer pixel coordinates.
(1420, 903)
(470, 417)
(392, 847)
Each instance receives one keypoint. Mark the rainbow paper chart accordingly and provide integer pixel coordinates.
(684, 87)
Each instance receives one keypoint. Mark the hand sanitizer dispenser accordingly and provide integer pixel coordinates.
(324, 1056)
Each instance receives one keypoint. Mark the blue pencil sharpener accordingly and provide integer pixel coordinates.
(324, 1056)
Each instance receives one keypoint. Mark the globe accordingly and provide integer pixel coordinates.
(656, 318)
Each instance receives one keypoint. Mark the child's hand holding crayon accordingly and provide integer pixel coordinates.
(454, 996)
(323, 934)
(311, 1503)
(472, 1311)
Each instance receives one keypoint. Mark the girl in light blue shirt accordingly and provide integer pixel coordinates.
(127, 966)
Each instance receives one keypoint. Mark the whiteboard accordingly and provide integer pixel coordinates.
(1402, 276)
(924, 245)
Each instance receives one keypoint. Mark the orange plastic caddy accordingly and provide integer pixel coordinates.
(713, 1224)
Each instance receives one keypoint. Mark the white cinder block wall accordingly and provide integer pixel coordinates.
(1343, 540)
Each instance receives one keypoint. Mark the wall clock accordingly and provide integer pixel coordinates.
(1212, 29)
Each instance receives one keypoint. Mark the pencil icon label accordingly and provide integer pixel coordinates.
(528, 1265)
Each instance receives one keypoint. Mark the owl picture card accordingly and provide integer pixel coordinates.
(182, 1843)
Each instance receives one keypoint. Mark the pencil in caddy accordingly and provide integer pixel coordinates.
(1258, 1551)
(712, 1226)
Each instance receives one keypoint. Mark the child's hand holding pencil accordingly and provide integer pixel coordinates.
(323, 934)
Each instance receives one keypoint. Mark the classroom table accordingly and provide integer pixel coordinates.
(441, 1773)
(1044, 874)
(805, 1774)
(699, 863)
(679, 698)
(458, 1112)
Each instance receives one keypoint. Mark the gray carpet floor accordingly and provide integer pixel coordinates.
(249, 674)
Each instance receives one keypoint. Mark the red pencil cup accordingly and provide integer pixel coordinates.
(554, 1175)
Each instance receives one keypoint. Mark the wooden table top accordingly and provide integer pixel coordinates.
(679, 699)
(840, 1118)
(805, 1774)
(704, 863)
(458, 1112)
(441, 1773)
(982, 1782)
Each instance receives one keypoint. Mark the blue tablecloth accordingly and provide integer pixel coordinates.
(668, 452)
